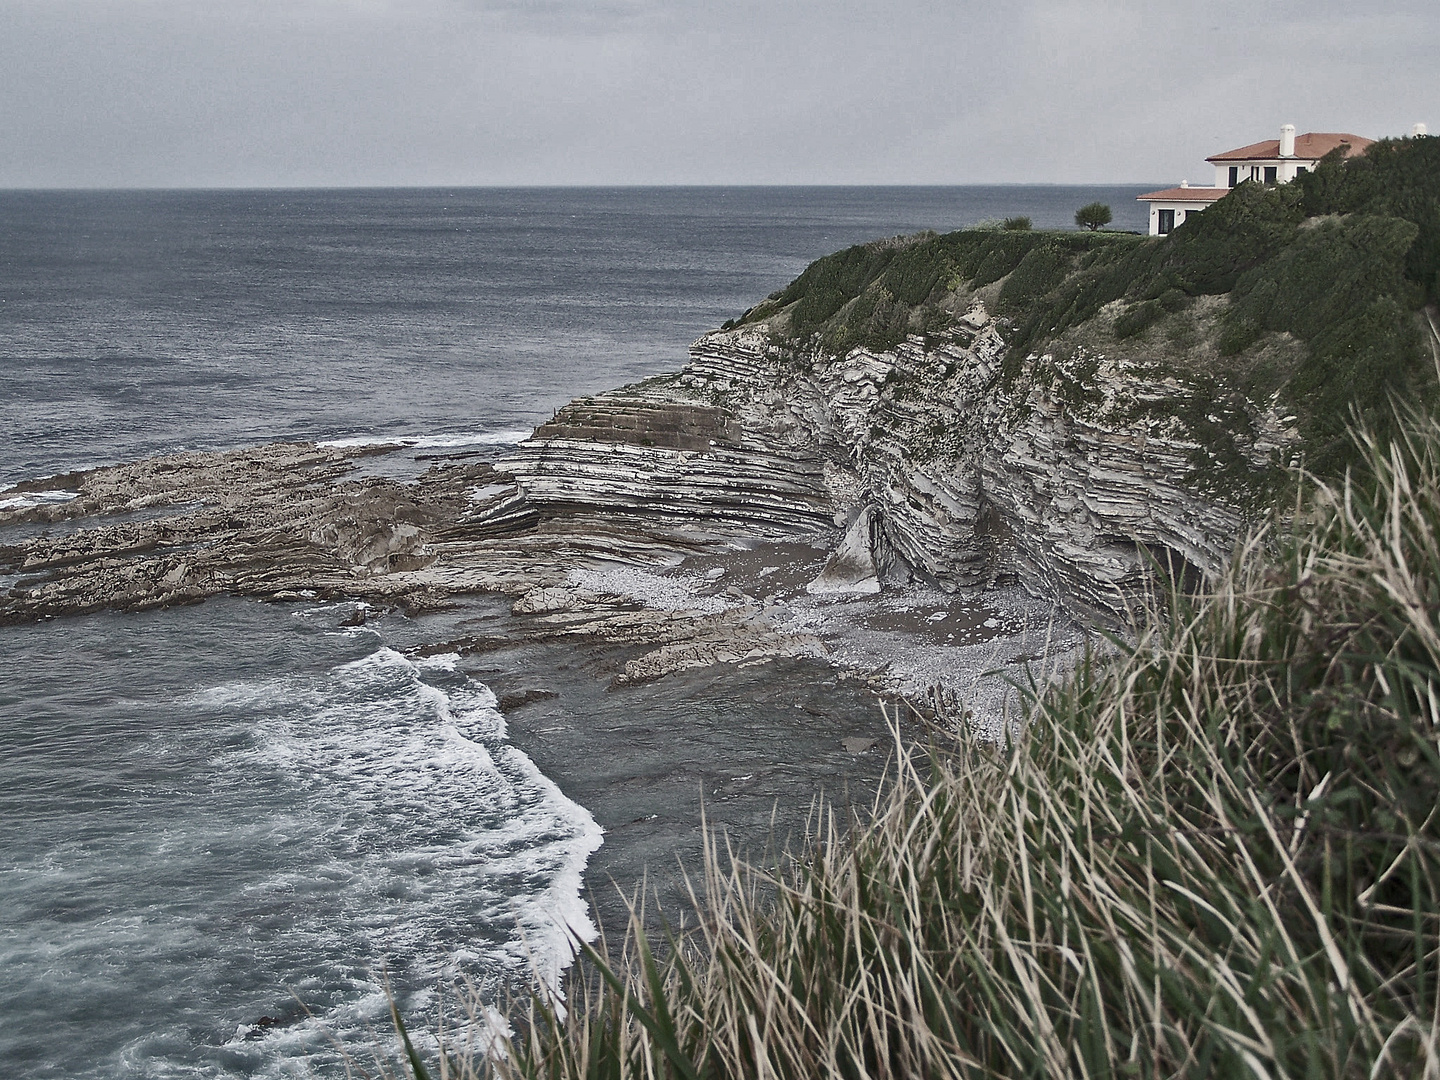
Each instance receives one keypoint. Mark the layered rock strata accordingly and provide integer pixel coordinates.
(928, 462)
(1069, 475)
(674, 459)
(297, 521)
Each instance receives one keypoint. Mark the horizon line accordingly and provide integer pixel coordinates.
(97, 188)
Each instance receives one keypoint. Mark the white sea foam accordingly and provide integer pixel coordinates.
(401, 832)
(442, 441)
(33, 498)
(252, 694)
(438, 662)
(473, 809)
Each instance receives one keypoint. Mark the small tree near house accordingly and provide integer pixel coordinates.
(1093, 215)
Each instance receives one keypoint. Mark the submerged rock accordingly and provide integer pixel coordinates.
(517, 699)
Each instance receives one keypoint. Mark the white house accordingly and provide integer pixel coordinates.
(1172, 206)
(1275, 161)
(1278, 161)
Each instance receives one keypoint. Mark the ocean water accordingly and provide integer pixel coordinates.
(225, 814)
(225, 829)
(135, 322)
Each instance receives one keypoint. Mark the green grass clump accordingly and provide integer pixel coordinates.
(1213, 852)
(907, 280)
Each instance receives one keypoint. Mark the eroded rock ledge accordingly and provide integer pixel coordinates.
(1062, 478)
(917, 465)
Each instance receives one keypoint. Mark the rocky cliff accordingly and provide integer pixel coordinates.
(1064, 476)
(939, 461)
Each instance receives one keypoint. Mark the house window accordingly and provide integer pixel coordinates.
(1255, 172)
(1271, 174)
(1234, 175)
(1300, 170)
(1167, 221)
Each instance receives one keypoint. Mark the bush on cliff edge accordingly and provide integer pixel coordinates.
(1341, 261)
(1215, 853)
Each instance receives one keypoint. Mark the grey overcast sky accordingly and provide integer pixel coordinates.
(178, 93)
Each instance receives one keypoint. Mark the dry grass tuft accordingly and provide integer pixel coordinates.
(1214, 854)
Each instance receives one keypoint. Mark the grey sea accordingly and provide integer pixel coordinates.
(225, 830)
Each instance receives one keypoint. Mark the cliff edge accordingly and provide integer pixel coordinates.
(1078, 412)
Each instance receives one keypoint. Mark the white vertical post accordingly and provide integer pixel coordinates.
(1287, 141)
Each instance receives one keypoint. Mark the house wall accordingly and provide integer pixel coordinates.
(1286, 170)
(1180, 208)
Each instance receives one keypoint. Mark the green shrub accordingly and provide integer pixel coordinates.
(917, 272)
(1208, 254)
(1093, 215)
(1394, 177)
(828, 284)
(1042, 269)
(1002, 255)
(1107, 274)
(1237, 334)
(1330, 270)
(877, 320)
(913, 274)
(1336, 289)
(1016, 224)
(1372, 357)
(1142, 316)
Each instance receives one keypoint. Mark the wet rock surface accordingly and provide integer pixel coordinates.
(275, 522)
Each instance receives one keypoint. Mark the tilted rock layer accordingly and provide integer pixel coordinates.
(920, 463)
(1060, 476)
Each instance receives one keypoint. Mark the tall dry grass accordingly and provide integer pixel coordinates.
(1214, 854)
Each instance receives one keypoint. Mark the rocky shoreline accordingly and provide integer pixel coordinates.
(293, 522)
(904, 515)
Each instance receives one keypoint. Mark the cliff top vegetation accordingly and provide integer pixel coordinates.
(1340, 262)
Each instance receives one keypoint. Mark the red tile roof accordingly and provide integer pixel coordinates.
(1185, 194)
(1312, 146)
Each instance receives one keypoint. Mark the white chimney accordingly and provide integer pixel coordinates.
(1287, 141)
(1417, 131)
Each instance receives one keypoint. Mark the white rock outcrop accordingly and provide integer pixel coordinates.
(851, 567)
